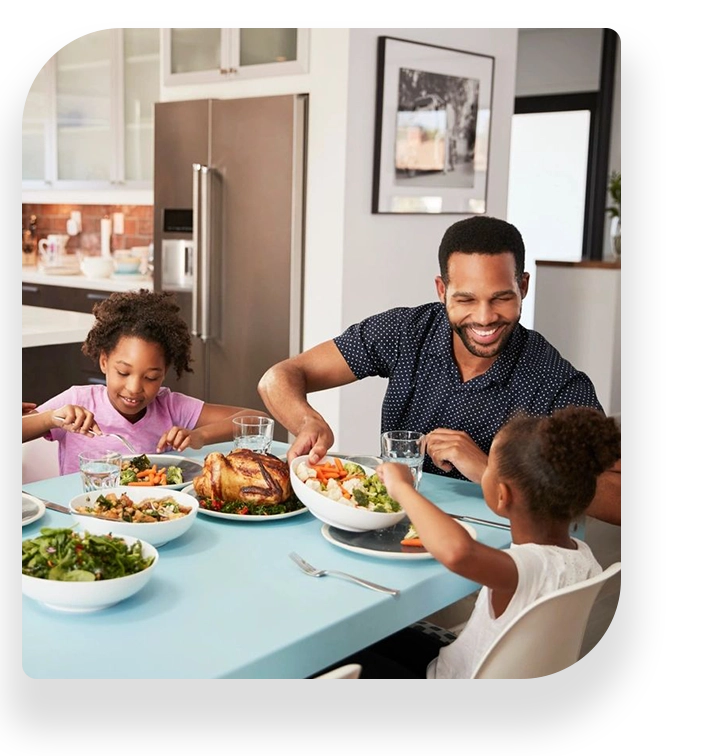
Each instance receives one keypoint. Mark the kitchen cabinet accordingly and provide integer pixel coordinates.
(195, 56)
(88, 122)
(62, 297)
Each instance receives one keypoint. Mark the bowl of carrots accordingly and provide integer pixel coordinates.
(344, 494)
(147, 514)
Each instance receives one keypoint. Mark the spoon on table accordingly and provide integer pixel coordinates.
(116, 435)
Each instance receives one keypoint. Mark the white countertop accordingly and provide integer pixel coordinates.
(116, 282)
(42, 326)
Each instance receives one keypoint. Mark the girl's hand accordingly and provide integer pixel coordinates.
(180, 438)
(395, 477)
(74, 419)
(28, 408)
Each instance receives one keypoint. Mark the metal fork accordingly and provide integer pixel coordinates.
(310, 570)
(116, 435)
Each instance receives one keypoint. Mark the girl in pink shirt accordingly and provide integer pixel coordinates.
(136, 338)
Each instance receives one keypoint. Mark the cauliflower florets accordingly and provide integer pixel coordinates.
(315, 484)
(303, 472)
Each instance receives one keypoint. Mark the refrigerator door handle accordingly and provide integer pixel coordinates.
(206, 251)
(195, 298)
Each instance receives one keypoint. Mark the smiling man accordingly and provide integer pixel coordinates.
(457, 369)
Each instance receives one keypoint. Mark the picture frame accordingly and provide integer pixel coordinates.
(432, 129)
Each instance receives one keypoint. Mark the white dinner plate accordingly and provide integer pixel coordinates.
(32, 509)
(191, 467)
(385, 544)
(243, 518)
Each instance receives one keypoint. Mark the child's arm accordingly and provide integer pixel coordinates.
(446, 539)
(70, 417)
(214, 425)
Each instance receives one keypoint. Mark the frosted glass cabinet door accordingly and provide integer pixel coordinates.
(35, 128)
(141, 84)
(196, 50)
(84, 82)
(194, 56)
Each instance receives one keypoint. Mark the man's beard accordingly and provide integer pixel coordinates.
(491, 350)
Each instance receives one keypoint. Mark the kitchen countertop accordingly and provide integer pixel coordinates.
(116, 282)
(42, 326)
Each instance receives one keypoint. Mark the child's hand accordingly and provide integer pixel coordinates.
(179, 439)
(28, 408)
(74, 419)
(395, 477)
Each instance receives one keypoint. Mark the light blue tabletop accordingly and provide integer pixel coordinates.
(227, 602)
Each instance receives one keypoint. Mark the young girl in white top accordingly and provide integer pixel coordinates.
(541, 475)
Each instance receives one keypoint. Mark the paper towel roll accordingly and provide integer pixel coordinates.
(105, 232)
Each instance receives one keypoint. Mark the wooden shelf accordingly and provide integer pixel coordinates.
(606, 264)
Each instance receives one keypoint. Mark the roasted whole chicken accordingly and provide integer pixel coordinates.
(244, 475)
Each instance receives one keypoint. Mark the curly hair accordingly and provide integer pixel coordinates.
(482, 235)
(554, 461)
(148, 315)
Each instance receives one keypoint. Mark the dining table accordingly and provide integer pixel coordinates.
(226, 601)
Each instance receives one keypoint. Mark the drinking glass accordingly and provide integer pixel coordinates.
(100, 469)
(253, 432)
(406, 447)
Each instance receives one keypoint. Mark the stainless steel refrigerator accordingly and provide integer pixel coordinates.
(229, 182)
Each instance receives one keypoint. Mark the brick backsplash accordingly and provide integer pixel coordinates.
(51, 219)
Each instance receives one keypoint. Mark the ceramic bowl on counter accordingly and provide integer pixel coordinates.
(96, 267)
(126, 263)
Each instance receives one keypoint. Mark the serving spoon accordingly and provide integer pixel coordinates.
(116, 435)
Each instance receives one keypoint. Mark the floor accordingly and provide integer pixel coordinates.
(605, 542)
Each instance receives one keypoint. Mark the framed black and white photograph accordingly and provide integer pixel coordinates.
(433, 120)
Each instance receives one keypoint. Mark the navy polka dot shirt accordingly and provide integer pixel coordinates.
(412, 347)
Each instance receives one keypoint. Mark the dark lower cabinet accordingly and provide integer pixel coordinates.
(49, 370)
(62, 297)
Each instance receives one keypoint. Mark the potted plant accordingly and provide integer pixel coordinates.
(614, 211)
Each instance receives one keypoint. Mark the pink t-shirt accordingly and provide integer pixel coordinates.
(168, 409)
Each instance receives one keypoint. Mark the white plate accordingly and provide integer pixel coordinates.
(191, 468)
(32, 509)
(385, 544)
(243, 518)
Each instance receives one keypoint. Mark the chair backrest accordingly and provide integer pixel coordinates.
(546, 636)
(40, 459)
(346, 672)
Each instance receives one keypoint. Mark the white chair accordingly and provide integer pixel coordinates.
(346, 672)
(547, 636)
(40, 459)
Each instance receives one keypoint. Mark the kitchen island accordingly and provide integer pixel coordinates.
(42, 326)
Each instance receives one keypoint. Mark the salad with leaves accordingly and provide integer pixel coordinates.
(63, 554)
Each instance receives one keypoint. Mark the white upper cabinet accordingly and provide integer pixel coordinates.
(89, 117)
(192, 56)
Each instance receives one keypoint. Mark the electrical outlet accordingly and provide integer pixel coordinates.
(118, 223)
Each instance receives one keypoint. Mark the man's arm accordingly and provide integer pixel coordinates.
(606, 504)
(284, 389)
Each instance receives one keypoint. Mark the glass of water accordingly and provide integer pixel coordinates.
(253, 432)
(100, 469)
(406, 447)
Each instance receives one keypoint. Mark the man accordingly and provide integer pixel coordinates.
(458, 369)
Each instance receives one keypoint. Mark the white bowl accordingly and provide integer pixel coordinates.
(156, 533)
(343, 516)
(90, 596)
(97, 267)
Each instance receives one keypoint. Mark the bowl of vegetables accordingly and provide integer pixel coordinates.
(344, 494)
(162, 470)
(147, 513)
(80, 571)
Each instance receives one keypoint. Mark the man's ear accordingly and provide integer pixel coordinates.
(440, 287)
(523, 286)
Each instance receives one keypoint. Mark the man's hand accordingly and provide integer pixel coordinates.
(450, 448)
(314, 438)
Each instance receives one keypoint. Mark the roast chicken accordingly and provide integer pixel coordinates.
(244, 475)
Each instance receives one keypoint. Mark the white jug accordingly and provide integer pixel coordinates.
(53, 248)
